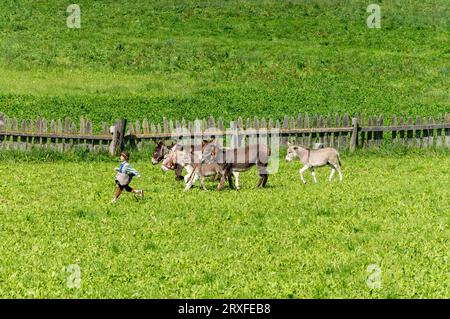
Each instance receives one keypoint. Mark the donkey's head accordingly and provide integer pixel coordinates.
(169, 161)
(292, 152)
(210, 152)
(160, 151)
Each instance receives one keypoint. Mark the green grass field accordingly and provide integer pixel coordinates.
(286, 241)
(223, 58)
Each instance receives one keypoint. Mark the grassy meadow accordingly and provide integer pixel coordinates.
(287, 241)
(226, 58)
(223, 58)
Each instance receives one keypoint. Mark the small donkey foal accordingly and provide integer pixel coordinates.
(312, 158)
(200, 171)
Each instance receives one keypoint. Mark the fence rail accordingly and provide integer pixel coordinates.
(336, 131)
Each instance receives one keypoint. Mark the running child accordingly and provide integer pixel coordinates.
(125, 174)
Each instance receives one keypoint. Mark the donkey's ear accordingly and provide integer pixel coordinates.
(160, 143)
(289, 143)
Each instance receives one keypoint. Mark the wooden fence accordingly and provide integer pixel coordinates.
(337, 131)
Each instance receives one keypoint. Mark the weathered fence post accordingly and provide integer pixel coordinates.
(131, 136)
(146, 130)
(418, 122)
(447, 130)
(307, 136)
(241, 137)
(336, 134)
(285, 135)
(380, 134)
(53, 135)
(82, 140)
(2, 128)
(354, 137)
(138, 133)
(292, 127)
(345, 123)
(66, 133)
(114, 130)
(15, 130)
(369, 132)
(165, 128)
(321, 134)
(59, 131)
(431, 132)
(122, 129)
(23, 138)
(439, 131)
(300, 126)
(425, 132)
(314, 134)
(90, 142)
(402, 131)
(362, 124)
(394, 130)
(328, 139)
(409, 133)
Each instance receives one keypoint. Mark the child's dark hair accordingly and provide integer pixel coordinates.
(125, 154)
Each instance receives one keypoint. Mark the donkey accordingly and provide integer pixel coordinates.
(312, 158)
(161, 151)
(240, 159)
(189, 161)
(200, 171)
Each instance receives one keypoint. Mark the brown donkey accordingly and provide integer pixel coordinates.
(240, 159)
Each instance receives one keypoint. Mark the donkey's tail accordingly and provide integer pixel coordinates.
(189, 178)
(339, 159)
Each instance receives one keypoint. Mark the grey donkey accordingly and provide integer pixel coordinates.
(312, 158)
(200, 171)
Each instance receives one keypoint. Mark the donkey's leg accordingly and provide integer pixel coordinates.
(191, 182)
(189, 170)
(266, 177)
(202, 183)
(221, 182)
(178, 172)
(262, 171)
(261, 179)
(229, 175)
(332, 172)
(302, 170)
(188, 185)
(313, 174)
(236, 179)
